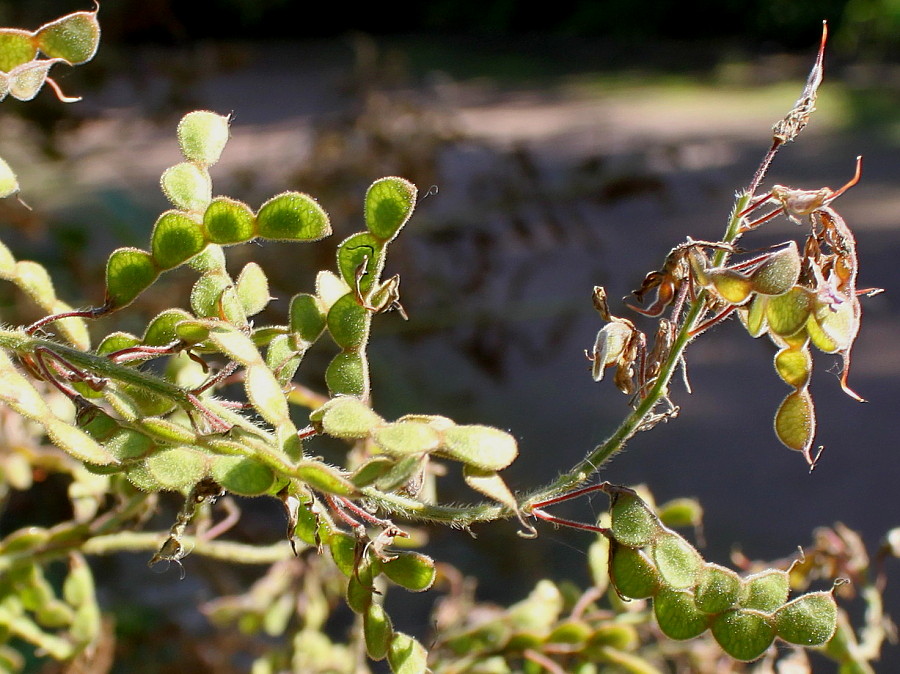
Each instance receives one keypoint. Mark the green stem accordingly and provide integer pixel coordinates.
(228, 551)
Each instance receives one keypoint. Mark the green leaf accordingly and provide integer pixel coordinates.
(202, 136)
(253, 289)
(241, 475)
(176, 238)
(795, 421)
(74, 37)
(743, 634)
(129, 271)
(188, 186)
(292, 216)
(16, 47)
(480, 446)
(229, 221)
(406, 655)
(389, 204)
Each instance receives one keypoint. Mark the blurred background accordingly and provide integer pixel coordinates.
(569, 148)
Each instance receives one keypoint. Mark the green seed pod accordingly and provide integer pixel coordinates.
(681, 512)
(348, 374)
(9, 184)
(78, 587)
(795, 421)
(265, 393)
(228, 221)
(765, 591)
(26, 80)
(833, 327)
(206, 294)
(377, 631)
(241, 475)
(778, 273)
(283, 358)
(177, 468)
(16, 48)
(343, 552)
(99, 425)
(192, 332)
(788, 313)
(733, 286)
(168, 431)
(188, 186)
(307, 317)
(76, 442)
(753, 316)
(252, 289)
(24, 539)
(306, 527)
(202, 136)
(127, 445)
(161, 330)
(54, 614)
(406, 437)
(744, 634)
(34, 280)
(129, 271)
(360, 252)
(345, 417)
(718, 588)
(678, 561)
(632, 572)
(360, 587)
(794, 366)
(406, 655)
(678, 615)
(142, 479)
(292, 216)
(389, 205)
(411, 570)
(348, 322)
(73, 38)
(176, 238)
(809, 620)
(483, 447)
(571, 632)
(330, 288)
(633, 523)
(115, 341)
(324, 478)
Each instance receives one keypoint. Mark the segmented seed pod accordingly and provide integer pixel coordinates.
(678, 561)
(787, 314)
(632, 572)
(778, 273)
(718, 588)
(809, 620)
(794, 366)
(765, 591)
(677, 614)
(733, 286)
(795, 421)
(633, 523)
(744, 634)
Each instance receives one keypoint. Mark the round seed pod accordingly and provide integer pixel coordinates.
(794, 366)
(292, 216)
(348, 322)
(632, 572)
(177, 468)
(678, 561)
(787, 314)
(743, 633)
(377, 631)
(765, 591)
(733, 286)
(202, 136)
(795, 421)
(228, 221)
(129, 271)
(188, 186)
(348, 374)
(175, 239)
(678, 615)
(633, 523)
(346, 417)
(778, 273)
(16, 48)
(809, 620)
(73, 38)
(388, 206)
(483, 447)
(411, 570)
(161, 330)
(718, 588)
(360, 251)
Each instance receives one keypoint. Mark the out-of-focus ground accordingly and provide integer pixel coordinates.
(546, 187)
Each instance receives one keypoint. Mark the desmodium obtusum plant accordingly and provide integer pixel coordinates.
(202, 403)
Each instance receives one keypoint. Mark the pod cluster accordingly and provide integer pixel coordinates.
(745, 614)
